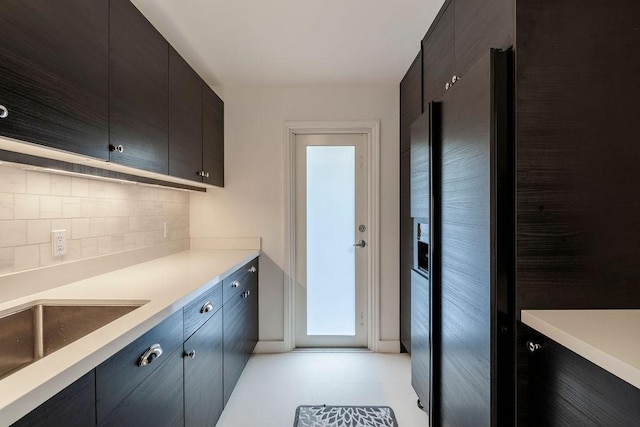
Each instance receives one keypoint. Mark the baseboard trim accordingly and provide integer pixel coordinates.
(389, 346)
(265, 347)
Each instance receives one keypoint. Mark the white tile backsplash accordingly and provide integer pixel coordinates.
(101, 217)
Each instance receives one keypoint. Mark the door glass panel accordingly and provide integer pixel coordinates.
(331, 291)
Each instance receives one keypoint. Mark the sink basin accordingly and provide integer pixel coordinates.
(32, 332)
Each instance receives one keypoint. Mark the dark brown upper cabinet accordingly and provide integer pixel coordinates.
(438, 56)
(463, 32)
(212, 137)
(54, 74)
(138, 91)
(185, 119)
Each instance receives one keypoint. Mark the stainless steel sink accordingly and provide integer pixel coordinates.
(35, 331)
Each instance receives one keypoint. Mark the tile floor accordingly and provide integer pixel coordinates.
(273, 385)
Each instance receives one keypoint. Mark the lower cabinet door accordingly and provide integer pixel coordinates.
(234, 323)
(203, 393)
(252, 318)
(73, 406)
(420, 338)
(157, 401)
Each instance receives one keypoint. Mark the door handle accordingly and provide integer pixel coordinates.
(360, 244)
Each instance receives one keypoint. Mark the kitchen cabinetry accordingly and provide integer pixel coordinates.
(410, 109)
(563, 388)
(138, 90)
(157, 401)
(185, 119)
(203, 373)
(73, 406)
(212, 137)
(421, 339)
(461, 34)
(420, 194)
(240, 323)
(54, 79)
(117, 377)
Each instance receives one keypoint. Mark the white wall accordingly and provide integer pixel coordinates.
(251, 204)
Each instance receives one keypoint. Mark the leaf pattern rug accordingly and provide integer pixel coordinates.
(344, 416)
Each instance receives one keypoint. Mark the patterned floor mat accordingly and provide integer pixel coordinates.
(344, 416)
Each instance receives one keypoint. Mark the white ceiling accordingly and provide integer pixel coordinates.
(294, 42)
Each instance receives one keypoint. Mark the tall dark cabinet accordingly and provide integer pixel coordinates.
(546, 221)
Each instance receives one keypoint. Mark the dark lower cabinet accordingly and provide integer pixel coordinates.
(421, 372)
(54, 74)
(138, 90)
(565, 389)
(73, 406)
(234, 325)
(157, 401)
(203, 374)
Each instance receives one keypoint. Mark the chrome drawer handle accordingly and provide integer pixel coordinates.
(253, 269)
(246, 294)
(207, 307)
(235, 284)
(533, 347)
(4, 113)
(150, 355)
(191, 354)
(118, 148)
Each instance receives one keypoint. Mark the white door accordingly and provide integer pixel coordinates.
(331, 240)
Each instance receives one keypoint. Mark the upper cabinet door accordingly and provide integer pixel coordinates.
(139, 90)
(212, 137)
(185, 119)
(410, 100)
(480, 26)
(438, 57)
(54, 73)
(420, 195)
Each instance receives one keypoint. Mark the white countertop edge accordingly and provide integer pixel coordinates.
(596, 355)
(26, 389)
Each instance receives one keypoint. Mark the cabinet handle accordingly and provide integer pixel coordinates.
(206, 174)
(533, 346)
(203, 174)
(191, 354)
(117, 148)
(245, 294)
(253, 269)
(207, 307)
(447, 85)
(150, 355)
(235, 284)
(454, 79)
(3, 112)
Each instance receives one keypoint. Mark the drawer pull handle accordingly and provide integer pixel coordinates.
(191, 354)
(253, 269)
(533, 347)
(207, 307)
(150, 355)
(245, 294)
(235, 284)
(117, 148)
(4, 113)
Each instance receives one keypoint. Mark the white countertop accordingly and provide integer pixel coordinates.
(167, 284)
(608, 338)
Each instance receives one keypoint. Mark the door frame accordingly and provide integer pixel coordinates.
(371, 129)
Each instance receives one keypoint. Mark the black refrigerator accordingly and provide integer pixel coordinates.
(463, 372)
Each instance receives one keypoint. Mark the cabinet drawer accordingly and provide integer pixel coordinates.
(237, 282)
(119, 375)
(201, 309)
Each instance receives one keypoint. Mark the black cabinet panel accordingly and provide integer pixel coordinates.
(480, 26)
(138, 90)
(212, 137)
(421, 337)
(185, 119)
(157, 401)
(410, 100)
(54, 73)
(578, 232)
(465, 248)
(420, 195)
(406, 250)
(203, 374)
(73, 406)
(564, 389)
(120, 374)
(438, 57)
(234, 314)
(197, 311)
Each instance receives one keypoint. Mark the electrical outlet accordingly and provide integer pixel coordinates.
(58, 242)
